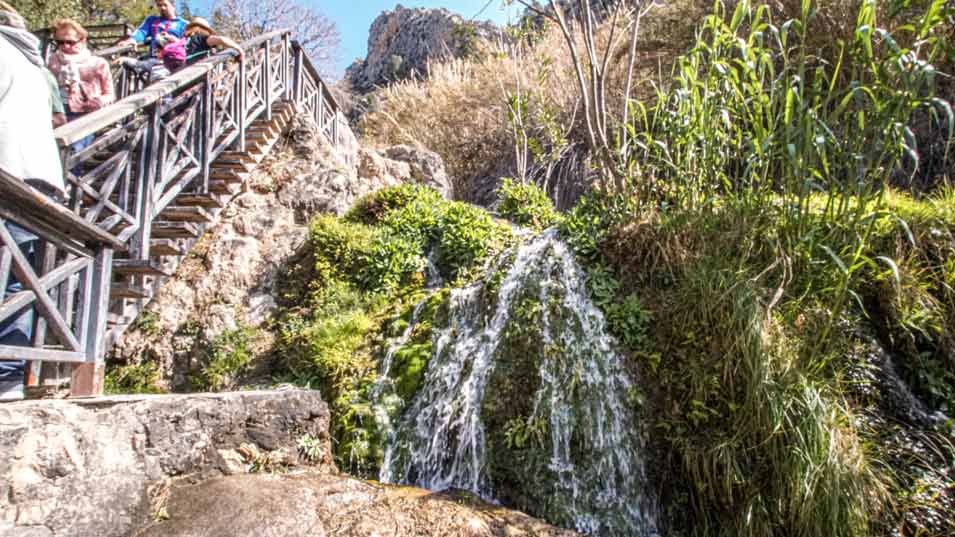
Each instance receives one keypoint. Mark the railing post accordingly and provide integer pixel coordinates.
(139, 245)
(87, 378)
(243, 103)
(267, 81)
(206, 136)
(287, 94)
(321, 106)
(297, 84)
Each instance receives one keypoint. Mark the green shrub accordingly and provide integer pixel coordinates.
(228, 354)
(526, 204)
(373, 207)
(141, 378)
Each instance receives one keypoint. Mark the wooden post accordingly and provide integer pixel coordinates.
(321, 107)
(267, 81)
(87, 378)
(297, 81)
(139, 245)
(206, 110)
(46, 261)
(243, 104)
(287, 93)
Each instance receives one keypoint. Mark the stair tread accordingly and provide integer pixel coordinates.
(125, 290)
(174, 230)
(209, 201)
(185, 214)
(166, 247)
(142, 267)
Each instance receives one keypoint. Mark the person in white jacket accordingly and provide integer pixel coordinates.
(28, 152)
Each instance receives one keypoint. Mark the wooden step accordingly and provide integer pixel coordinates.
(185, 214)
(139, 267)
(236, 156)
(219, 186)
(114, 319)
(166, 247)
(245, 166)
(174, 230)
(228, 174)
(125, 290)
(208, 201)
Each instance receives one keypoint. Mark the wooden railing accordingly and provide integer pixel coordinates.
(126, 164)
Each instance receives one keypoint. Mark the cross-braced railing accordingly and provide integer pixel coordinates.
(127, 164)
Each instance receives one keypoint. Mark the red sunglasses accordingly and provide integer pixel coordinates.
(68, 41)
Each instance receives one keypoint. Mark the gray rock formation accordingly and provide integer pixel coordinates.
(229, 280)
(427, 168)
(318, 505)
(102, 467)
(403, 41)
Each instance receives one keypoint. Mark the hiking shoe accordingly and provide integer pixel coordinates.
(11, 390)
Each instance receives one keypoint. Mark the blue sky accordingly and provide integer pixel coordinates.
(354, 17)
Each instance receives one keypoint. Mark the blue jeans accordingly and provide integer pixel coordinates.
(18, 329)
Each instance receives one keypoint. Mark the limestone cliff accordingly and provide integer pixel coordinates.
(403, 41)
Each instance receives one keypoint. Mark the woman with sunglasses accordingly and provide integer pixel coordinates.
(86, 84)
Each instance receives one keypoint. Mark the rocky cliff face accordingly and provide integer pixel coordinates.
(224, 292)
(403, 41)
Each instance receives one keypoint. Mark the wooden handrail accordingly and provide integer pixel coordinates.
(29, 205)
(82, 127)
(296, 46)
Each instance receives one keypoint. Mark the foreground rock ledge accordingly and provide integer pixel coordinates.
(320, 505)
(177, 465)
(95, 467)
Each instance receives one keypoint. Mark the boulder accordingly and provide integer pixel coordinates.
(314, 505)
(426, 167)
(102, 466)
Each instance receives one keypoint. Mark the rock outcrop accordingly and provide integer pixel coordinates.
(102, 467)
(228, 282)
(403, 41)
(318, 505)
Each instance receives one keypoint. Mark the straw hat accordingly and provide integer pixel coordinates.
(200, 24)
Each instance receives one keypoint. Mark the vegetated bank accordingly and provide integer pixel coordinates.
(788, 313)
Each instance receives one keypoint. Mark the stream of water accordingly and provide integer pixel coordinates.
(588, 444)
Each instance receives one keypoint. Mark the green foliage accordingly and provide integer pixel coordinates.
(141, 378)
(526, 204)
(414, 221)
(373, 207)
(520, 433)
(310, 448)
(228, 355)
(40, 14)
(357, 282)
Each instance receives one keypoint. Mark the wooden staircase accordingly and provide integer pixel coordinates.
(181, 224)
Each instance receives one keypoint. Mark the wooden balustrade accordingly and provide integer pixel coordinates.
(140, 178)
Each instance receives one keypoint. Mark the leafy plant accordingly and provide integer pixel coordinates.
(526, 204)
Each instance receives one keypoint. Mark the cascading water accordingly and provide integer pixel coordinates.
(567, 421)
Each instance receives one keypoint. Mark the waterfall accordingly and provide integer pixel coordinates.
(579, 442)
